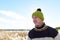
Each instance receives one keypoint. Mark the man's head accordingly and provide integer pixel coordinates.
(38, 17)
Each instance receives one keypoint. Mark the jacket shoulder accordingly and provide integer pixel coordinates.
(52, 32)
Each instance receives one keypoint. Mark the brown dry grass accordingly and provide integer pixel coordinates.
(13, 35)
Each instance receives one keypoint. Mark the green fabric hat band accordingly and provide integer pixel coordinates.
(39, 14)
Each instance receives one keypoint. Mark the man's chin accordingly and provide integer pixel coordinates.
(36, 24)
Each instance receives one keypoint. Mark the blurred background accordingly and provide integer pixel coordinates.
(16, 19)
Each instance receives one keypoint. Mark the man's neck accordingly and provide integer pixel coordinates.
(40, 26)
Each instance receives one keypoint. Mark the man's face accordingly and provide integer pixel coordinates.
(36, 20)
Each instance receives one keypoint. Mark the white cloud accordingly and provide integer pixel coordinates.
(6, 20)
(20, 22)
(12, 14)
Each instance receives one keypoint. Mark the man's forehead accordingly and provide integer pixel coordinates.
(34, 16)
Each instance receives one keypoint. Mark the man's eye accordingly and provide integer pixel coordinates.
(35, 17)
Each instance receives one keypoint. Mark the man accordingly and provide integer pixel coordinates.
(41, 30)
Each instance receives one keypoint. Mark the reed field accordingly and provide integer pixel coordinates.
(13, 35)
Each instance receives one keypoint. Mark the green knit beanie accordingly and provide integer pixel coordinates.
(39, 14)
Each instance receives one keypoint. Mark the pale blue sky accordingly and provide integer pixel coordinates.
(16, 14)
